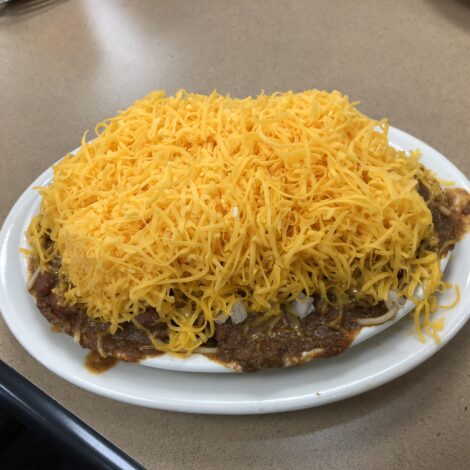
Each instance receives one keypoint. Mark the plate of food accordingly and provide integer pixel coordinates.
(205, 234)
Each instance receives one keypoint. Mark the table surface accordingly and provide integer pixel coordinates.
(65, 65)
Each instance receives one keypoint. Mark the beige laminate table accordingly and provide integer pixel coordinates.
(65, 65)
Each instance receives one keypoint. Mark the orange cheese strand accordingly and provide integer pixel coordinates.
(188, 203)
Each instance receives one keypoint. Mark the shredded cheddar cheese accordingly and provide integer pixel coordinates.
(189, 203)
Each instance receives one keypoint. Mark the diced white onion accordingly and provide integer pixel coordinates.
(302, 306)
(235, 211)
(238, 313)
(394, 300)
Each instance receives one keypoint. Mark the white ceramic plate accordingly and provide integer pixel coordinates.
(361, 368)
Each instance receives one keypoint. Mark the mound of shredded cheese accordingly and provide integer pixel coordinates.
(191, 203)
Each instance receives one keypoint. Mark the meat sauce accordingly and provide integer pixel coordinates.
(97, 364)
(253, 344)
(129, 343)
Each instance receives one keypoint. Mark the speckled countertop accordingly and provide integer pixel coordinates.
(65, 65)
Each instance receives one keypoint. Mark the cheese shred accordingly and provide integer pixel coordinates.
(190, 203)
